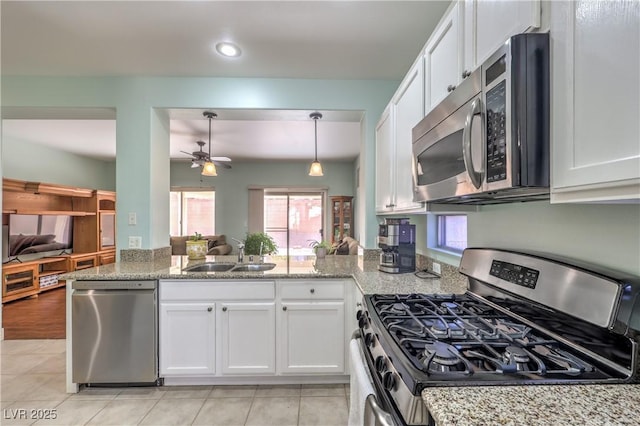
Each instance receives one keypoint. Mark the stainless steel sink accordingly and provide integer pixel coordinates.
(253, 267)
(210, 267)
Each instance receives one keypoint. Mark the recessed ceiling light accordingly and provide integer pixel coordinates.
(228, 49)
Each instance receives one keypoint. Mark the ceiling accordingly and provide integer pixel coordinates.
(279, 39)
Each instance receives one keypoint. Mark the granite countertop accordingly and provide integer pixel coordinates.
(364, 272)
(583, 405)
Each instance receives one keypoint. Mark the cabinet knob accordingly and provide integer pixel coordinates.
(313, 290)
(466, 73)
(451, 88)
(284, 308)
(209, 309)
(224, 309)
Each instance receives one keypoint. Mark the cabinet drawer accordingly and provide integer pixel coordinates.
(106, 258)
(312, 289)
(83, 262)
(217, 290)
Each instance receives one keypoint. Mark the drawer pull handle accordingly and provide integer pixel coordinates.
(224, 309)
(284, 308)
(209, 309)
(313, 290)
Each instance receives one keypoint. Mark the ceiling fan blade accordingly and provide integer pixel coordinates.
(188, 153)
(221, 158)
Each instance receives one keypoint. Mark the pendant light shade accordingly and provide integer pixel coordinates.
(209, 169)
(316, 167)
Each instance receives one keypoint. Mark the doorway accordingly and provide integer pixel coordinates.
(294, 219)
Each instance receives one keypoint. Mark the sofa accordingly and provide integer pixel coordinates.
(217, 245)
(347, 245)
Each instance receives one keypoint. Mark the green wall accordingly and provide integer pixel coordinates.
(602, 234)
(38, 163)
(141, 145)
(231, 185)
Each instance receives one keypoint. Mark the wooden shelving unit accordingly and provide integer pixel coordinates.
(93, 214)
(341, 217)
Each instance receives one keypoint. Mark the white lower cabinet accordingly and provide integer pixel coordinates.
(313, 339)
(230, 330)
(187, 339)
(248, 338)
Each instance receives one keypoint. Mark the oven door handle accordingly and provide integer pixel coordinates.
(380, 416)
(476, 178)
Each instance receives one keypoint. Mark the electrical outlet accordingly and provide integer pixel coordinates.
(132, 218)
(135, 242)
(436, 268)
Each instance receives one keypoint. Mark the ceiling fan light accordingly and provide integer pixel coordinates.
(316, 169)
(209, 169)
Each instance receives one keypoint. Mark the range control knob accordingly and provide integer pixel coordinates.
(369, 340)
(381, 364)
(389, 381)
(359, 314)
(363, 321)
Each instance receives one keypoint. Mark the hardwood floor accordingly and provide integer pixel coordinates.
(41, 317)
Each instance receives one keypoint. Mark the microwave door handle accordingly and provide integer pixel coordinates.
(475, 177)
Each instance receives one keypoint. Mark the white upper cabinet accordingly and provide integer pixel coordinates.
(443, 58)
(489, 23)
(385, 158)
(394, 156)
(595, 101)
(408, 103)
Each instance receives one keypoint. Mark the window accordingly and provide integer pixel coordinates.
(192, 211)
(451, 232)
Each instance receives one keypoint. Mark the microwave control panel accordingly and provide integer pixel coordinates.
(496, 133)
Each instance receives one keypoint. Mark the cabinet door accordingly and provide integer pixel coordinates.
(187, 339)
(385, 159)
(409, 111)
(443, 59)
(595, 133)
(312, 337)
(248, 338)
(489, 23)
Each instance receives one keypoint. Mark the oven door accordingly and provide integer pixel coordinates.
(365, 408)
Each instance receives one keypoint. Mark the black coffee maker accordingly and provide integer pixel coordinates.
(397, 239)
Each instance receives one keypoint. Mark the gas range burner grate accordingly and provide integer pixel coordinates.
(461, 337)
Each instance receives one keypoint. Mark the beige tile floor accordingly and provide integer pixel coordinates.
(32, 386)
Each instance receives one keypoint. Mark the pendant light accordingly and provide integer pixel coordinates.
(209, 169)
(316, 167)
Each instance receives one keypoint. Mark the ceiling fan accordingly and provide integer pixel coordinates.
(204, 159)
(200, 157)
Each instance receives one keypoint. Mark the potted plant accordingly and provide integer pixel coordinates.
(321, 248)
(196, 246)
(259, 243)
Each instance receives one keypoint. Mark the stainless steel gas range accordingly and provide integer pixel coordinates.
(526, 319)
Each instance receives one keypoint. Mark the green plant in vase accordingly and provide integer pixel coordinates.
(196, 246)
(321, 248)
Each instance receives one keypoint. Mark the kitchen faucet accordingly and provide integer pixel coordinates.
(240, 249)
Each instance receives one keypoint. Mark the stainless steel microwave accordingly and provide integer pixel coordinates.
(488, 140)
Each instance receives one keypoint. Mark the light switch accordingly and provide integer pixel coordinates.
(132, 218)
(135, 242)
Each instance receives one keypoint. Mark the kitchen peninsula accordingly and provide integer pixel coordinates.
(301, 314)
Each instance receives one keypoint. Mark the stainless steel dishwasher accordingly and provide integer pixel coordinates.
(115, 332)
